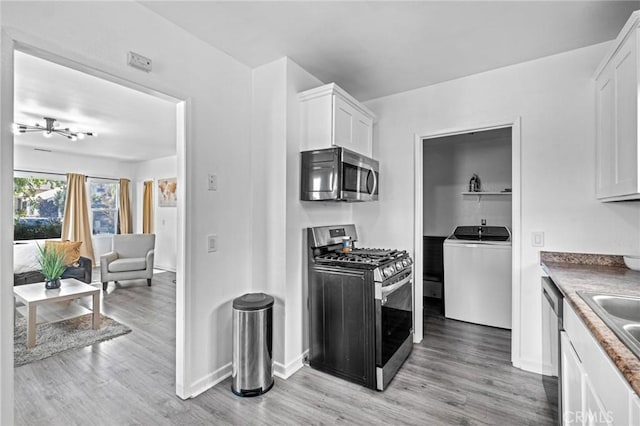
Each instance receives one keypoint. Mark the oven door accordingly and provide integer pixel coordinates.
(359, 177)
(394, 326)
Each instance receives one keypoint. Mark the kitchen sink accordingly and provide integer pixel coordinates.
(623, 307)
(620, 313)
(633, 329)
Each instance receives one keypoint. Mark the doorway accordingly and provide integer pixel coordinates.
(9, 49)
(511, 126)
(455, 169)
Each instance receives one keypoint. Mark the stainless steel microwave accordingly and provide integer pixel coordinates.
(337, 174)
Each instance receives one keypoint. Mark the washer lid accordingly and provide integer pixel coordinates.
(252, 302)
(481, 233)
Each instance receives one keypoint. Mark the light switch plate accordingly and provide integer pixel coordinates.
(212, 243)
(537, 239)
(212, 182)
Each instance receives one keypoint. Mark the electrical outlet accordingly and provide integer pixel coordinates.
(483, 222)
(212, 243)
(212, 181)
(138, 61)
(537, 239)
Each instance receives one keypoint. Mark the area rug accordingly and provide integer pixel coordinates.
(52, 339)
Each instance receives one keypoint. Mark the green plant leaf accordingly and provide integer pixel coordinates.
(51, 262)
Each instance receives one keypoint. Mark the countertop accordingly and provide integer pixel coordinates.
(603, 274)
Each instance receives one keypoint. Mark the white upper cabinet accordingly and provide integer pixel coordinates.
(331, 117)
(617, 134)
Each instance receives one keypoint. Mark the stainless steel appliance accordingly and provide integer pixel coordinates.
(551, 327)
(360, 308)
(338, 174)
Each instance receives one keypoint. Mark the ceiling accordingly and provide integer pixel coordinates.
(370, 48)
(131, 125)
(377, 48)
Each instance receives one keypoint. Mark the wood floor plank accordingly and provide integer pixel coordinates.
(459, 375)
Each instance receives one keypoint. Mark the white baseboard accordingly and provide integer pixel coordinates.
(165, 268)
(286, 371)
(530, 365)
(210, 380)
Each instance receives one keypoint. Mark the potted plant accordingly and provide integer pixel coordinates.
(52, 266)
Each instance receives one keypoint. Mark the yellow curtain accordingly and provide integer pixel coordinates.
(124, 213)
(147, 208)
(75, 226)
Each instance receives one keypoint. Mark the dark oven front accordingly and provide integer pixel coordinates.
(394, 325)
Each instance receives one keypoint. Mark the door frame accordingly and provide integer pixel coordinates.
(516, 205)
(11, 41)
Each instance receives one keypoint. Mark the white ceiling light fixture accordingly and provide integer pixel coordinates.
(52, 126)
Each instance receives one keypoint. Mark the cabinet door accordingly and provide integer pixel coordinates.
(343, 122)
(626, 118)
(594, 412)
(617, 125)
(352, 129)
(634, 409)
(363, 135)
(606, 134)
(572, 377)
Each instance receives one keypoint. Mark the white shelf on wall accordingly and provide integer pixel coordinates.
(481, 193)
(487, 193)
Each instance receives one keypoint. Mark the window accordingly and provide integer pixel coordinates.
(38, 206)
(104, 206)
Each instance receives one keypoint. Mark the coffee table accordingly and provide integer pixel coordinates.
(46, 306)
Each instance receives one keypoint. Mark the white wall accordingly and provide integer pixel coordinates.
(99, 34)
(268, 163)
(57, 162)
(280, 219)
(448, 164)
(554, 96)
(165, 219)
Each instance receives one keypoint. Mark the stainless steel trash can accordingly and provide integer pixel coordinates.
(252, 368)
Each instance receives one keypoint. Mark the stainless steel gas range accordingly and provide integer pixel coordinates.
(360, 307)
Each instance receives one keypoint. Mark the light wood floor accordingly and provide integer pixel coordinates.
(460, 374)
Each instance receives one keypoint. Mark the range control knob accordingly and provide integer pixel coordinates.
(405, 262)
(398, 265)
(386, 272)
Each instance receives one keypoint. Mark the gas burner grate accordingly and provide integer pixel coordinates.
(366, 256)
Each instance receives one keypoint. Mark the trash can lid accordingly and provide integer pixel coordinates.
(252, 302)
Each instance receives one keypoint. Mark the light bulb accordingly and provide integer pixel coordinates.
(73, 129)
(73, 138)
(15, 128)
(47, 134)
(80, 136)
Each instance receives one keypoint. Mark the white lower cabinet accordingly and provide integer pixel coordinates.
(594, 392)
(634, 409)
(593, 410)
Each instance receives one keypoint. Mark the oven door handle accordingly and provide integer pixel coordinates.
(386, 291)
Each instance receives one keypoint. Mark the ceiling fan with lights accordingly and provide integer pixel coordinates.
(51, 127)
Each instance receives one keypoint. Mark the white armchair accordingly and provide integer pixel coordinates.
(131, 258)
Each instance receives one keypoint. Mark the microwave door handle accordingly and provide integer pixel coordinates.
(375, 180)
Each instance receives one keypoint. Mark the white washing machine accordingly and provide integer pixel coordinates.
(477, 275)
